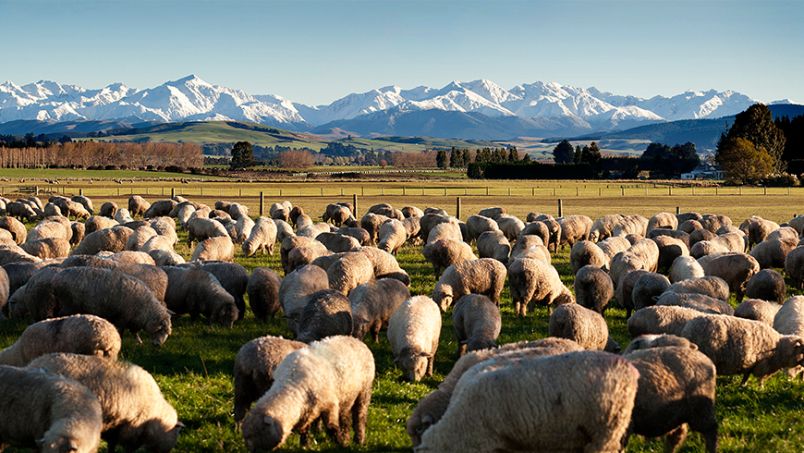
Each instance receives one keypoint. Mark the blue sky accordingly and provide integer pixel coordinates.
(317, 51)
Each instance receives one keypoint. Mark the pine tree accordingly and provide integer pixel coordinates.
(465, 157)
(577, 157)
(563, 153)
(513, 154)
(242, 155)
(441, 159)
(453, 158)
(756, 125)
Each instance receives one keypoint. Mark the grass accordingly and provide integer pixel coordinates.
(194, 366)
(68, 173)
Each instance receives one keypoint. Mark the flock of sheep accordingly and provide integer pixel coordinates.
(83, 282)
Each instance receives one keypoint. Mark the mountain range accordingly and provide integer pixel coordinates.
(479, 109)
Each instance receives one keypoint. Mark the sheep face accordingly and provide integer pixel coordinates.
(360, 327)
(791, 350)
(442, 295)
(160, 330)
(61, 443)
(226, 315)
(414, 366)
(594, 236)
(476, 345)
(161, 438)
(262, 433)
(249, 248)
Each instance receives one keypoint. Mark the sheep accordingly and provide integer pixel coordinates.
(699, 235)
(757, 229)
(743, 346)
(78, 232)
(785, 233)
(758, 310)
(330, 379)
(797, 223)
(669, 249)
(631, 225)
(709, 286)
(279, 211)
(254, 367)
(139, 237)
(492, 212)
(530, 246)
(384, 209)
(239, 211)
(296, 287)
(197, 292)
(429, 220)
(79, 334)
(593, 288)
(646, 289)
(165, 226)
(13, 253)
(773, 252)
(351, 270)
(159, 208)
(137, 205)
(532, 281)
(582, 325)
(214, 249)
(314, 250)
(371, 222)
(613, 246)
(481, 276)
(48, 412)
(695, 301)
(768, 285)
(200, 228)
(789, 320)
(338, 243)
(234, 279)
(536, 229)
(51, 228)
(445, 230)
(412, 227)
(622, 264)
(661, 319)
(574, 228)
(358, 233)
(17, 229)
(261, 238)
(662, 220)
(734, 267)
(337, 214)
(510, 225)
(658, 341)
(326, 313)
(156, 242)
(166, 258)
(119, 298)
(585, 253)
(603, 226)
(385, 265)
(794, 266)
(5, 290)
(373, 303)
(477, 323)
(606, 394)
(478, 224)
(263, 293)
(48, 248)
(685, 268)
(689, 225)
(51, 210)
(677, 387)
(311, 231)
(111, 239)
(108, 209)
(392, 235)
(413, 332)
(714, 222)
(431, 408)
(411, 211)
(446, 252)
(493, 244)
(684, 216)
(648, 251)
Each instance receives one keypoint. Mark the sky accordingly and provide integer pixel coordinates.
(317, 51)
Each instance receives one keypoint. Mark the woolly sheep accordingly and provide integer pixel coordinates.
(623, 264)
(311, 231)
(481, 276)
(326, 313)
(331, 378)
(492, 212)
(685, 268)
(385, 265)
(159, 208)
(139, 237)
(709, 286)
(713, 222)
(351, 270)
(695, 301)
(742, 346)
(603, 406)
(108, 209)
(631, 225)
(200, 228)
(166, 257)
(677, 387)
(371, 222)
(122, 216)
(79, 334)
(613, 246)
(510, 226)
(214, 249)
(477, 323)
(337, 214)
(794, 266)
(373, 303)
(156, 242)
(446, 252)
(263, 293)
(661, 319)
(768, 285)
(658, 341)
(50, 228)
(757, 229)
(234, 279)
(603, 226)
(582, 325)
(296, 287)
(537, 228)
(17, 229)
(574, 228)
(734, 267)
(358, 233)
(429, 220)
(689, 225)
(478, 224)
(495, 245)
(292, 242)
(254, 367)
(585, 253)
(646, 289)
(48, 412)
(111, 239)
(593, 288)
(392, 235)
(411, 211)
(669, 249)
(337, 243)
(413, 331)
(412, 228)
(197, 292)
(773, 252)
(535, 282)
(137, 205)
(48, 248)
(96, 223)
(663, 220)
(789, 320)
(279, 211)
(784, 233)
(446, 230)
(758, 310)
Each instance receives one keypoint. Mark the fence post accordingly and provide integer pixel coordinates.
(81, 192)
(404, 191)
(322, 191)
(354, 203)
(262, 203)
(715, 190)
(560, 208)
(740, 190)
(362, 193)
(765, 190)
(577, 192)
(678, 210)
(487, 190)
(445, 191)
(36, 190)
(172, 192)
(622, 191)
(458, 207)
(240, 192)
(509, 191)
(669, 190)
(532, 191)
(280, 192)
(599, 191)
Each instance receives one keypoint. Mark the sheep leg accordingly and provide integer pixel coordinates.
(345, 424)
(675, 438)
(331, 422)
(360, 416)
(375, 331)
(430, 362)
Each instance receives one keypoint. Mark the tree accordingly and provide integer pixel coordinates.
(591, 154)
(513, 154)
(466, 158)
(454, 159)
(242, 155)
(743, 161)
(756, 125)
(665, 160)
(563, 153)
(577, 157)
(296, 158)
(441, 159)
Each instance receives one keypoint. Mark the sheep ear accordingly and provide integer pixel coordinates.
(179, 426)
(171, 312)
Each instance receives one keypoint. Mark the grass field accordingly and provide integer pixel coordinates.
(194, 366)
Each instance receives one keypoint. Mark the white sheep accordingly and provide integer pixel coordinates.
(413, 331)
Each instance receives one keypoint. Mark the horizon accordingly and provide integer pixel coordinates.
(744, 46)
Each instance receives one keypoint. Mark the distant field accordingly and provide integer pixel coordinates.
(56, 173)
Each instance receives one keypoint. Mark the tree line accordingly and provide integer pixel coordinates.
(104, 155)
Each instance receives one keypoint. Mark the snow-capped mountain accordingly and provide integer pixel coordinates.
(550, 105)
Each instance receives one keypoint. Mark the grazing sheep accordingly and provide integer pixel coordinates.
(96, 223)
(234, 279)
(197, 292)
(429, 220)
(200, 228)
(110, 239)
(481, 276)
(593, 288)
(337, 214)
(122, 216)
(623, 264)
(757, 229)
(663, 220)
(137, 205)
(331, 379)
(214, 249)
(582, 325)
(758, 310)
(373, 303)
(743, 346)
(646, 289)
(631, 225)
(677, 387)
(166, 258)
(699, 235)
(789, 320)
(773, 252)
(784, 233)
(291, 242)
(351, 270)
(669, 249)
(371, 222)
(492, 212)
(445, 252)
(48, 412)
(604, 398)
(296, 287)
(358, 233)
(311, 231)
(493, 244)
(713, 222)
(574, 228)
(661, 319)
(689, 225)
(530, 246)
(536, 229)
(139, 237)
(510, 226)
(254, 367)
(385, 265)
(477, 323)
(280, 211)
(734, 267)
(413, 331)
(658, 341)
(338, 243)
(134, 411)
(613, 246)
(709, 286)
(48, 248)
(794, 266)
(108, 209)
(384, 209)
(159, 208)
(79, 334)
(392, 235)
(78, 232)
(768, 285)
(585, 253)
(695, 301)
(685, 268)
(445, 230)
(603, 226)
(263, 293)
(239, 211)
(156, 242)
(411, 211)
(5, 290)
(326, 313)
(50, 227)
(478, 224)
(412, 228)
(535, 282)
